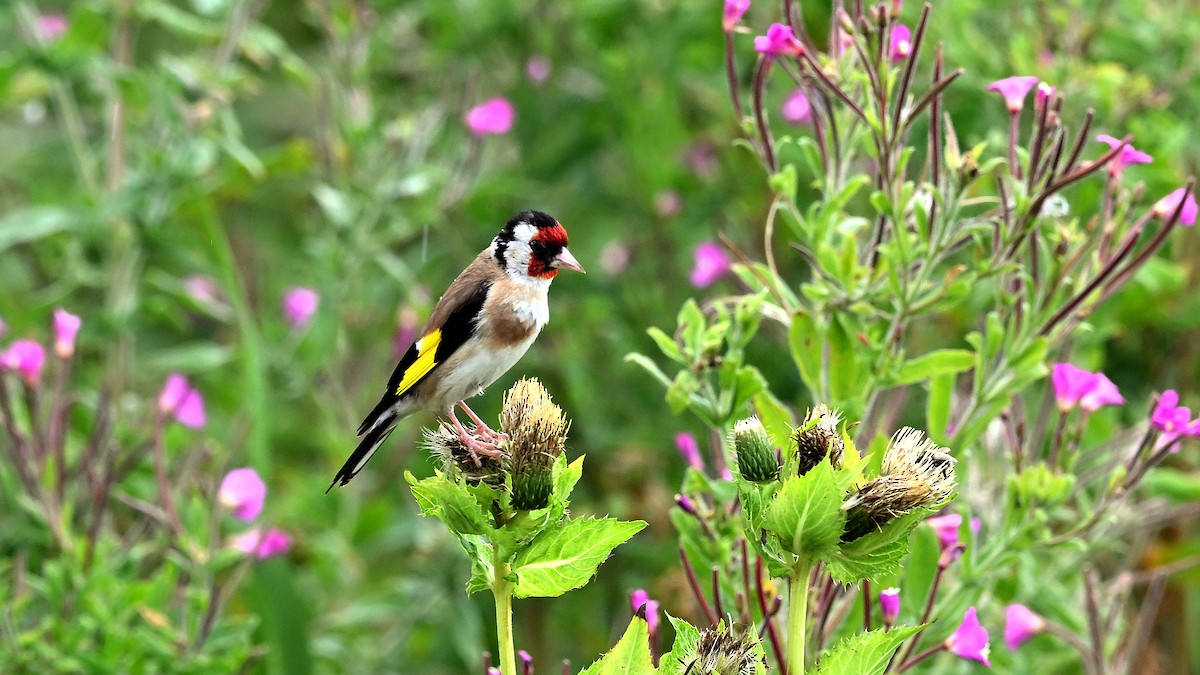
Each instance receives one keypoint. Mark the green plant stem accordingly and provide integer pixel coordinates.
(502, 590)
(797, 617)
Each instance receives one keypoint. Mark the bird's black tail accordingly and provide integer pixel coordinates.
(375, 430)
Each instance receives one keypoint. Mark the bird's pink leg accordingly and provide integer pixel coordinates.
(475, 447)
(480, 427)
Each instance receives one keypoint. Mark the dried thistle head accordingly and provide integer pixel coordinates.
(720, 653)
(445, 443)
(756, 459)
(537, 433)
(818, 437)
(917, 473)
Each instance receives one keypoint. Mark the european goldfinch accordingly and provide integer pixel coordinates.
(479, 329)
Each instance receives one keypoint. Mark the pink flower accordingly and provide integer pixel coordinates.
(1044, 93)
(711, 264)
(66, 327)
(299, 306)
(243, 492)
(1076, 386)
(969, 640)
(494, 116)
(1020, 624)
(50, 27)
(1172, 419)
(1103, 392)
(1127, 155)
(27, 358)
(526, 660)
(900, 43)
(946, 528)
(1165, 208)
(202, 289)
(178, 398)
(262, 546)
(406, 330)
(796, 108)
(734, 9)
(667, 204)
(779, 41)
(690, 450)
(684, 502)
(889, 604)
(1014, 89)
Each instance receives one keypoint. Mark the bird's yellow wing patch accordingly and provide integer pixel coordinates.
(426, 350)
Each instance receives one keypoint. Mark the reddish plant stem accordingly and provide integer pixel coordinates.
(694, 584)
(866, 590)
(760, 116)
(772, 632)
(731, 76)
(920, 657)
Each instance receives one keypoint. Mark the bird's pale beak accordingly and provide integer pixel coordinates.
(565, 259)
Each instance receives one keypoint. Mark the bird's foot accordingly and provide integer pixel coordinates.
(481, 429)
(479, 448)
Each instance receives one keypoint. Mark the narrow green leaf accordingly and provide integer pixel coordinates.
(34, 223)
(666, 344)
(933, 364)
(566, 557)
(937, 413)
(649, 366)
(630, 656)
(865, 653)
(805, 338)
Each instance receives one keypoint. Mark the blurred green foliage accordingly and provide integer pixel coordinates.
(321, 144)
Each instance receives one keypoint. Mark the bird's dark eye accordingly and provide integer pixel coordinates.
(538, 247)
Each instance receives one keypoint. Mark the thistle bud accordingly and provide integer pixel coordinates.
(818, 437)
(718, 652)
(445, 443)
(756, 458)
(916, 474)
(537, 432)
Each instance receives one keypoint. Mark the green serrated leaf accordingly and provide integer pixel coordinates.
(865, 653)
(806, 514)
(683, 650)
(630, 656)
(565, 557)
(450, 502)
(878, 554)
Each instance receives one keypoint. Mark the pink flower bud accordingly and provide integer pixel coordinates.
(50, 27)
(274, 542)
(492, 117)
(538, 69)
(178, 398)
(689, 449)
(66, 326)
(889, 604)
(946, 528)
(900, 43)
(1165, 207)
(1044, 93)
(797, 109)
(299, 306)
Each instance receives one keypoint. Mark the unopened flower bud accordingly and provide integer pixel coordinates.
(889, 604)
(537, 433)
(818, 437)
(756, 458)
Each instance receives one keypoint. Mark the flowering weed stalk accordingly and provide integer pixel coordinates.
(907, 267)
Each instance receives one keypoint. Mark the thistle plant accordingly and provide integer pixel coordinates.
(510, 513)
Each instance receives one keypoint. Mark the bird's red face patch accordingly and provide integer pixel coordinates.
(545, 246)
